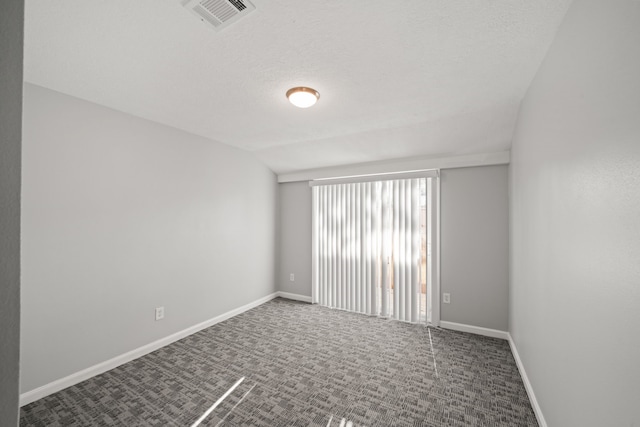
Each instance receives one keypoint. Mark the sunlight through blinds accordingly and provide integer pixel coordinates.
(367, 251)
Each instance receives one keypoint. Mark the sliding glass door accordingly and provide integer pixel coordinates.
(373, 246)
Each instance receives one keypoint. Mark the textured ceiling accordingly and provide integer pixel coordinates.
(397, 79)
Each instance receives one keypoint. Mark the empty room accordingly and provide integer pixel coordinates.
(319, 213)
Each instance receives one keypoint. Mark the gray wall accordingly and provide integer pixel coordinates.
(295, 238)
(474, 244)
(474, 231)
(11, 41)
(575, 209)
(121, 215)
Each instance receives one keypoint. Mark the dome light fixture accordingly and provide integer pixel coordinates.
(303, 97)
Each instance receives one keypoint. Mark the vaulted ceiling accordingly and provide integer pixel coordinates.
(397, 79)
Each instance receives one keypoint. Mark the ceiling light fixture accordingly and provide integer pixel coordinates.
(303, 97)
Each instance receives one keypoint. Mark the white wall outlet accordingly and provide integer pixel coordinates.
(292, 278)
(159, 313)
(446, 298)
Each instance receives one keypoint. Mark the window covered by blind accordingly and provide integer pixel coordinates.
(370, 247)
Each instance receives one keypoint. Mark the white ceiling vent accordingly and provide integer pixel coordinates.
(220, 13)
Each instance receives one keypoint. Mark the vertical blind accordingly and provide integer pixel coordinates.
(367, 249)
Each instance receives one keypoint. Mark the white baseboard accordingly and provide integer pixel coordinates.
(478, 330)
(527, 384)
(296, 297)
(62, 383)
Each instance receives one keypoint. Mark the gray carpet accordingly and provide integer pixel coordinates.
(304, 365)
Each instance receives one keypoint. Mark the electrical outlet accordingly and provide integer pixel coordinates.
(446, 298)
(159, 313)
(292, 278)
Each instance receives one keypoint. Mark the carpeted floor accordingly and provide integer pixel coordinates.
(304, 365)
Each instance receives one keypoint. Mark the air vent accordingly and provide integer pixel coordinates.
(220, 14)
